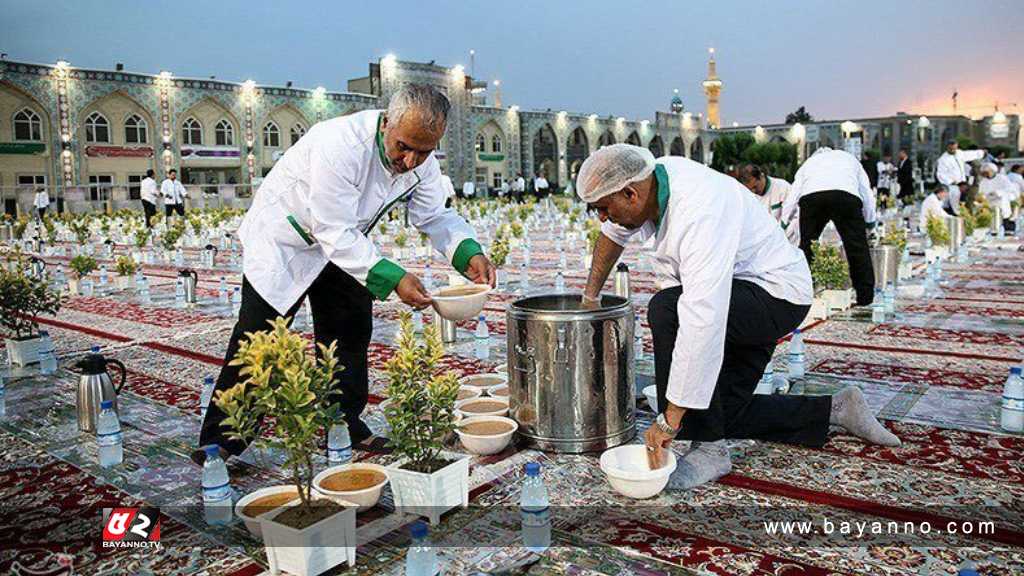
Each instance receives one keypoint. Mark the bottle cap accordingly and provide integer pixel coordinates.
(1015, 370)
(797, 331)
(95, 349)
(532, 468)
(212, 450)
(106, 404)
(622, 267)
(44, 333)
(208, 379)
(418, 529)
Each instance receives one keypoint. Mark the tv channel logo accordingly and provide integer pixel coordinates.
(131, 527)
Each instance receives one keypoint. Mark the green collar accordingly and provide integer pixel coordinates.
(663, 191)
(767, 185)
(380, 144)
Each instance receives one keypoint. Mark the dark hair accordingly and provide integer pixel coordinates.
(749, 171)
(149, 173)
(939, 188)
(172, 171)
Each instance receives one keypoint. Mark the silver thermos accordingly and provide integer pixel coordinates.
(189, 278)
(95, 386)
(622, 280)
(209, 255)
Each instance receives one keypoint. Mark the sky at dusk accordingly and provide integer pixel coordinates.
(839, 59)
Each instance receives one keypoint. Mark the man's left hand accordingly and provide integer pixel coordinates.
(481, 271)
(657, 442)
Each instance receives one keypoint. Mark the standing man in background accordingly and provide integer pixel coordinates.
(41, 201)
(148, 194)
(540, 186)
(905, 176)
(833, 186)
(174, 194)
(951, 172)
(468, 189)
(520, 188)
(886, 173)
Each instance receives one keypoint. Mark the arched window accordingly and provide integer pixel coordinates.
(97, 128)
(135, 130)
(224, 133)
(28, 126)
(271, 135)
(298, 131)
(192, 132)
(496, 143)
(480, 143)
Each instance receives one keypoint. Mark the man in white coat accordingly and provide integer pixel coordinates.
(41, 202)
(737, 287)
(148, 193)
(772, 193)
(932, 207)
(832, 185)
(306, 235)
(950, 171)
(999, 190)
(541, 186)
(174, 194)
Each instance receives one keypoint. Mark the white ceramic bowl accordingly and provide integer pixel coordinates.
(498, 391)
(457, 303)
(483, 382)
(252, 522)
(365, 498)
(484, 445)
(503, 411)
(627, 471)
(468, 393)
(651, 392)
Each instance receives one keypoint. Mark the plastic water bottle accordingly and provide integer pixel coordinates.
(428, 277)
(421, 559)
(524, 278)
(1012, 413)
(85, 285)
(526, 252)
(417, 321)
(561, 258)
(103, 276)
(216, 488)
(59, 276)
(339, 443)
(535, 510)
(482, 341)
(108, 436)
(206, 395)
(179, 292)
(3, 397)
(222, 291)
(47, 353)
(796, 355)
(877, 308)
(179, 257)
(638, 338)
(236, 301)
(559, 281)
(967, 568)
(307, 314)
(889, 297)
(767, 382)
(144, 291)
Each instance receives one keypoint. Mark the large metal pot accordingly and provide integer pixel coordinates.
(885, 260)
(571, 379)
(955, 225)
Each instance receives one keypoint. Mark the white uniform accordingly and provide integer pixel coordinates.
(829, 169)
(773, 199)
(173, 192)
(950, 171)
(1018, 181)
(449, 188)
(148, 191)
(468, 189)
(885, 174)
(931, 206)
(334, 184)
(713, 230)
(42, 199)
(540, 184)
(999, 191)
(520, 185)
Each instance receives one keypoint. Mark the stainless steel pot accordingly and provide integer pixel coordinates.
(955, 225)
(885, 260)
(571, 378)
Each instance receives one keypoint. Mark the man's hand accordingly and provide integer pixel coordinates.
(657, 442)
(481, 271)
(412, 292)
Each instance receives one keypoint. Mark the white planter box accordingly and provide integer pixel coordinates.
(123, 282)
(933, 254)
(396, 253)
(837, 299)
(312, 550)
(980, 235)
(431, 495)
(818, 311)
(905, 271)
(23, 352)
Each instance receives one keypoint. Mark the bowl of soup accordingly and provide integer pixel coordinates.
(457, 303)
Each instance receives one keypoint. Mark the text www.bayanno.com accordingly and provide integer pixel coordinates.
(860, 529)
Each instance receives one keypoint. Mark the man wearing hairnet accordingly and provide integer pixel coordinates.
(737, 285)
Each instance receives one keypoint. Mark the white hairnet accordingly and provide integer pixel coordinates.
(989, 168)
(611, 169)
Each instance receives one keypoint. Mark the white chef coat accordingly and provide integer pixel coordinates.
(468, 189)
(950, 169)
(1018, 180)
(773, 199)
(931, 206)
(999, 191)
(334, 183)
(447, 186)
(173, 192)
(829, 169)
(712, 230)
(148, 190)
(520, 184)
(42, 199)
(540, 183)
(885, 174)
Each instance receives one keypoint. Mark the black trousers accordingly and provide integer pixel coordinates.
(148, 210)
(172, 208)
(42, 212)
(342, 311)
(756, 321)
(846, 211)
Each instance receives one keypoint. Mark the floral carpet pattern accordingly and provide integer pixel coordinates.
(933, 373)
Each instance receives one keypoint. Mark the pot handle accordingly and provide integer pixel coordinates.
(124, 373)
(528, 352)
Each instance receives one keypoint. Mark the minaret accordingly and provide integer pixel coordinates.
(712, 89)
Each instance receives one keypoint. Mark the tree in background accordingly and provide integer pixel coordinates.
(778, 158)
(729, 150)
(965, 143)
(800, 115)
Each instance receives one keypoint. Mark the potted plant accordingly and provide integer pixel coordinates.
(830, 275)
(593, 234)
(20, 225)
(82, 266)
(426, 480)
(499, 254)
(80, 228)
(401, 239)
(170, 239)
(126, 268)
(22, 299)
(280, 378)
(982, 218)
(938, 233)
